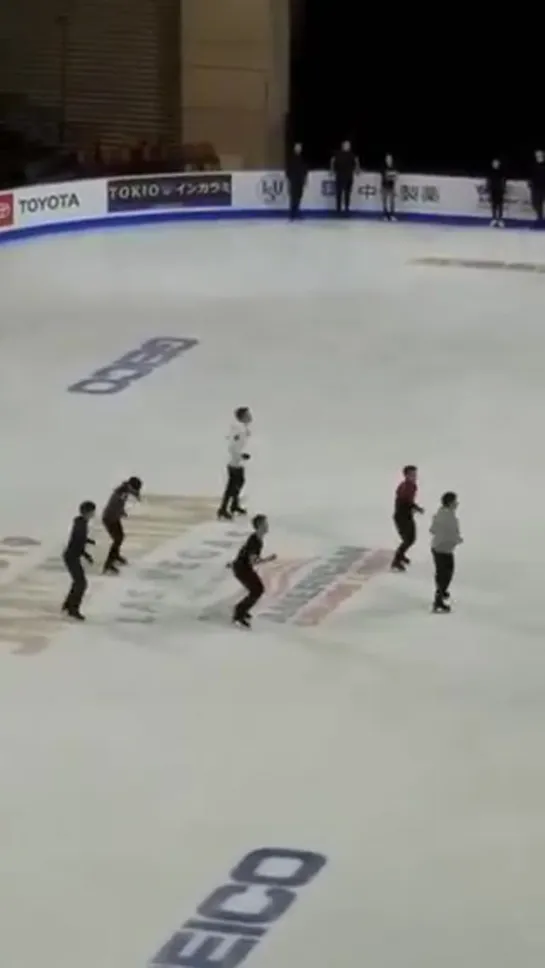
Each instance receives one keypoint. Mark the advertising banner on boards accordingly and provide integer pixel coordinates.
(194, 190)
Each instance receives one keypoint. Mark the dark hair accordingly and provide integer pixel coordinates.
(448, 499)
(258, 520)
(87, 506)
(134, 484)
(409, 469)
(242, 412)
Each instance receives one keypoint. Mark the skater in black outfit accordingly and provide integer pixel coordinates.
(446, 537)
(73, 553)
(344, 166)
(244, 570)
(238, 456)
(404, 512)
(111, 519)
(496, 193)
(388, 181)
(296, 174)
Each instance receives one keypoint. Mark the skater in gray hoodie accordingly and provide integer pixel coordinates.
(445, 531)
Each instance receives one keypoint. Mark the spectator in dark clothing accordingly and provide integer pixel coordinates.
(344, 166)
(537, 185)
(496, 192)
(388, 181)
(296, 174)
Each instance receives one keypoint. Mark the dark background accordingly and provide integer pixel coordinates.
(441, 89)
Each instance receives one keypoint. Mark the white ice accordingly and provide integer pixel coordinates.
(140, 762)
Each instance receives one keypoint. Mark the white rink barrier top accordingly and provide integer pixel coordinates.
(103, 202)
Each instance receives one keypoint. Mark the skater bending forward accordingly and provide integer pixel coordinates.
(446, 537)
(244, 571)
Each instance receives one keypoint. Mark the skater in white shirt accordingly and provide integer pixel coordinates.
(445, 531)
(237, 457)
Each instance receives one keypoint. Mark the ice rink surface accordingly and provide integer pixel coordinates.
(144, 754)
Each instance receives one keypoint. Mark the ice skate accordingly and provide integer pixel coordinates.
(242, 621)
(398, 566)
(110, 570)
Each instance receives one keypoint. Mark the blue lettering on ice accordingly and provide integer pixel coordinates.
(233, 919)
(117, 376)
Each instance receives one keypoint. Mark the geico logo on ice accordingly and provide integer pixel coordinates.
(233, 919)
(49, 203)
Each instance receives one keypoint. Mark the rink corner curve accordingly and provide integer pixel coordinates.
(131, 201)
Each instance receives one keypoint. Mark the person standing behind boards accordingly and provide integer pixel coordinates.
(445, 532)
(296, 175)
(388, 182)
(344, 166)
(496, 193)
(537, 185)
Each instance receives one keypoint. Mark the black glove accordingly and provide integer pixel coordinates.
(245, 457)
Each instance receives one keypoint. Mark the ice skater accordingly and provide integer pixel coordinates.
(111, 519)
(75, 550)
(404, 511)
(238, 456)
(445, 531)
(244, 571)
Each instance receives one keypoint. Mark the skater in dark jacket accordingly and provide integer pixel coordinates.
(496, 193)
(111, 518)
(404, 511)
(244, 571)
(445, 532)
(75, 550)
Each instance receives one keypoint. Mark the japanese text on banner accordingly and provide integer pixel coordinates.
(200, 190)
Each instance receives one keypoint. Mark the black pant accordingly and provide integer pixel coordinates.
(235, 482)
(296, 188)
(496, 204)
(343, 194)
(253, 585)
(74, 598)
(538, 200)
(444, 571)
(406, 530)
(117, 534)
(388, 200)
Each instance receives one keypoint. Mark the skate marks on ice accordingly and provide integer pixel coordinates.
(189, 580)
(485, 264)
(33, 580)
(178, 572)
(306, 591)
